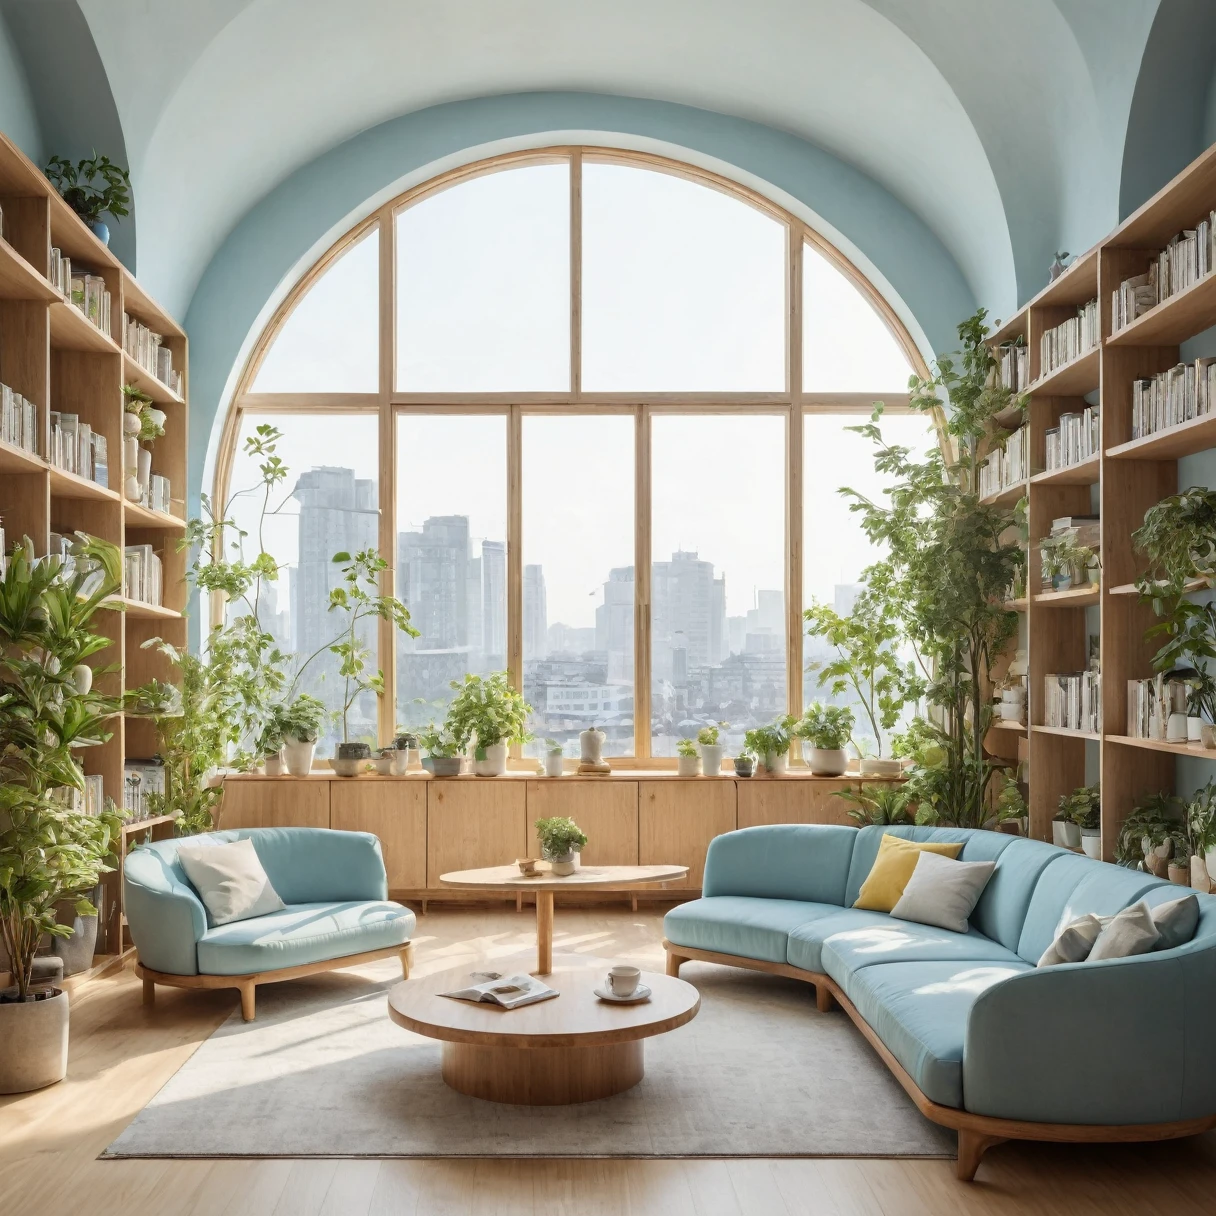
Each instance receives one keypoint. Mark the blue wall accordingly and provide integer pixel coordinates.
(18, 118)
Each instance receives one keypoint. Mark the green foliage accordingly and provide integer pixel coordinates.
(302, 718)
(559, 836)
(950, 562)
(1198, 831)
(1062, 555)
(553, 747)
(1178, 537)
(867, 661)
(1155, 818)
(1189, 630)
(49, 853)
(440, 741)
(773, 739)
(708, 736)
(78, 184)
(1083, 806)
(1010, 802)
(826, 726)
(487, 709)
(137, 402)
(686, 747)
(882, 804)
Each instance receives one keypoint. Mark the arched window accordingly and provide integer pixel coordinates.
(593, 409)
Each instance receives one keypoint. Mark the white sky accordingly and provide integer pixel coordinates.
(683, 290)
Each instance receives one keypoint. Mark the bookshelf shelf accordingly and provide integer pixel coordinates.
(1185, 439)
(1085, 473)
(1074, 378)
(1175, 319)
(1005, 724)
(1065, 733)
(1194, 584)
(1013, 328)
(1015, 605)
(1074, 597)
(56, 358)
(1161, 745)
(1006, 497)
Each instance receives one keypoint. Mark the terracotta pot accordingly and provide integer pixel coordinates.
(1180, 874)
(33, 1043)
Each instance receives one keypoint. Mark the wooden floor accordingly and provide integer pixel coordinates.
(122, 1053)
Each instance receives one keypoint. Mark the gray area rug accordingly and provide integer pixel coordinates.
(324, 1073)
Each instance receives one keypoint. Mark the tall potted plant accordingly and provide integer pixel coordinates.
(489, 715)
(48, 852)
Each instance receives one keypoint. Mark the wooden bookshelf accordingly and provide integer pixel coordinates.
(56, 357)
(1129, 476)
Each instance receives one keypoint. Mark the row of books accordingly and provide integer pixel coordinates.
(1150, 703)
(1184, 392)
(1189, 256)
(1015, 366)
(18, 420)
(1077, 437)
(156, 495)
(143, 577)
(76, 448)
(61, 547)
(148, 350)
(1073, 700)
(88, 801)
(88, 292)
(1006, 466)
(141, 780)
(1070, 339)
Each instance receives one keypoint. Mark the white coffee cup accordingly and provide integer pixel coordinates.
(623, 979)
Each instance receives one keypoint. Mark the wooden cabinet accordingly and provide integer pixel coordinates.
(395, 811)
(606, 810)
(275, 802)
(793, 800)
(474, 822)
(678, 819)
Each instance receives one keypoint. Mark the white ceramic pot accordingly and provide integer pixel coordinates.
(297, 755)
(873, 766)
(591, 745)
(827, 761)
(495, 762)
(711, 758)
(565, 865)
(1066, 835)
(1091, 842)
(1175, 728)
(384, 765)
(400, 762)
(1194, 729)
(554, 764)
(82, 678)
(274, 764)
(778, 762)
(688, 766)
(1200, 878)
(347, 767)
(33, 1044)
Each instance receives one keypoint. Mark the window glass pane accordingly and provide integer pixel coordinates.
(322, 508)
(483, 285)
(451, 555)
(847, 347)
(578, 579)
(330, 343)
(683, 286)
(835, 549)
(717, 582)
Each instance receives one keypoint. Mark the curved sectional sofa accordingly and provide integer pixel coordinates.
(984, 1041)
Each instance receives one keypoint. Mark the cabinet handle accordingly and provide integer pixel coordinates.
(651, 797)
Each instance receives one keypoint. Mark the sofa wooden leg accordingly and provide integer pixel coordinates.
(407, 959)
(825, 1002)
(972, 1145)
(673, 964)
(248, 1001)
(149, 991)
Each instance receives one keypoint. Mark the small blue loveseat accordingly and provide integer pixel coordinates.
(982, 1040)
(337, 914)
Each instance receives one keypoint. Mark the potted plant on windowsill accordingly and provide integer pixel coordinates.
(745, 763)
(554, 758)
(77, 185)
(490, 715)
(1084, 809)
(300, 722)
(443, 751)
(709, 737)
(827, 728)
(688, 759)
(561, 839)
(771, 744)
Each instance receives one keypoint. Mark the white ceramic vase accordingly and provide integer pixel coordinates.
(1200, 877)
(33, 1044)
(1091, 842)
(1066, 835)
(777, 762)
(274, 763)
(298, 754)
(554, 764)
(711, 758)
(591, 745)
(874, 766)
(494, 761)
(1194, 729)
(1175, 728)
(688, 766)
(827, 761)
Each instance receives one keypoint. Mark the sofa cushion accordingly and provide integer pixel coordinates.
(783, 861)
(747, 925)
(230, 880)
(977, 846)
(1001, 911)
(893, 869)
(920, 1011)
(303, 933)
(943, 892)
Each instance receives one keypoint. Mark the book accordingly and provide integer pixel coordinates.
(510, 992)
(1070, 339)
(1007, 465)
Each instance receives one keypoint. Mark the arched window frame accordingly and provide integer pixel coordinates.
(389, 404)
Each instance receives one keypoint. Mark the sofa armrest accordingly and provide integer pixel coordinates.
(167, 919)
(807, 861)
(1117, 1041)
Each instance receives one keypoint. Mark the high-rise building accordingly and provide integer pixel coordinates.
(614, 624)
(494, 603)
(432, 579)
(686, 599)
(536, 613)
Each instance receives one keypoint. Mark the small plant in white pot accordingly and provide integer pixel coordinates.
(443, 751)
(1083, 807)
(771, 744)
(710, 739)
(561, 840)
(1200, 829)
(1064, 832)
(688, 759)
(827, 728)
(492, 715)
(300, 723)
(554, 758)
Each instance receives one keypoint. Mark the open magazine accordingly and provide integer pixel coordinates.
(510, 991)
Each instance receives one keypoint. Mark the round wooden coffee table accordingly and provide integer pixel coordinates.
(571, 1048)
(585, 878)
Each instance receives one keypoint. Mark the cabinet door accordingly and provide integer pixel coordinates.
(605, 808)
(275, 802)
(394, 809)
(793, 800)
(472, 822)
(678, 819)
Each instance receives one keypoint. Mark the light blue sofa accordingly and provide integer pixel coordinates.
(337, 913)
(983, 1041)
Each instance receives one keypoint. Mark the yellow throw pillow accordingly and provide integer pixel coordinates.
(893, 868)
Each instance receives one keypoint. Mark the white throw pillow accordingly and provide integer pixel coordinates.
(1176, 922)
(943, 891)
(230, 880)
(1074, 942)
(1131, 932)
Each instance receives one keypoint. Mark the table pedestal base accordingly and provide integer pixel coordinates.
(548, 1076)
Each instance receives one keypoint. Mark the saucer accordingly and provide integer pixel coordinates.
(640, 993)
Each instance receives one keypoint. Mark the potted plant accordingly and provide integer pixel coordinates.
(827, 728)
(1083, 809)
(1011, 810)
(300, 722)
(560, 842)
(688, 759)
(78, 185)
(554, 758)
(1065, 562)
(1064, 831)
(270, 743)
(1179, 869)
(745, 763)
(709, 737)
(1201, 836)
(489, 715)
(881, 804)
(771, 744)
(443, 751)
(1178, 536)
(49, 853)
